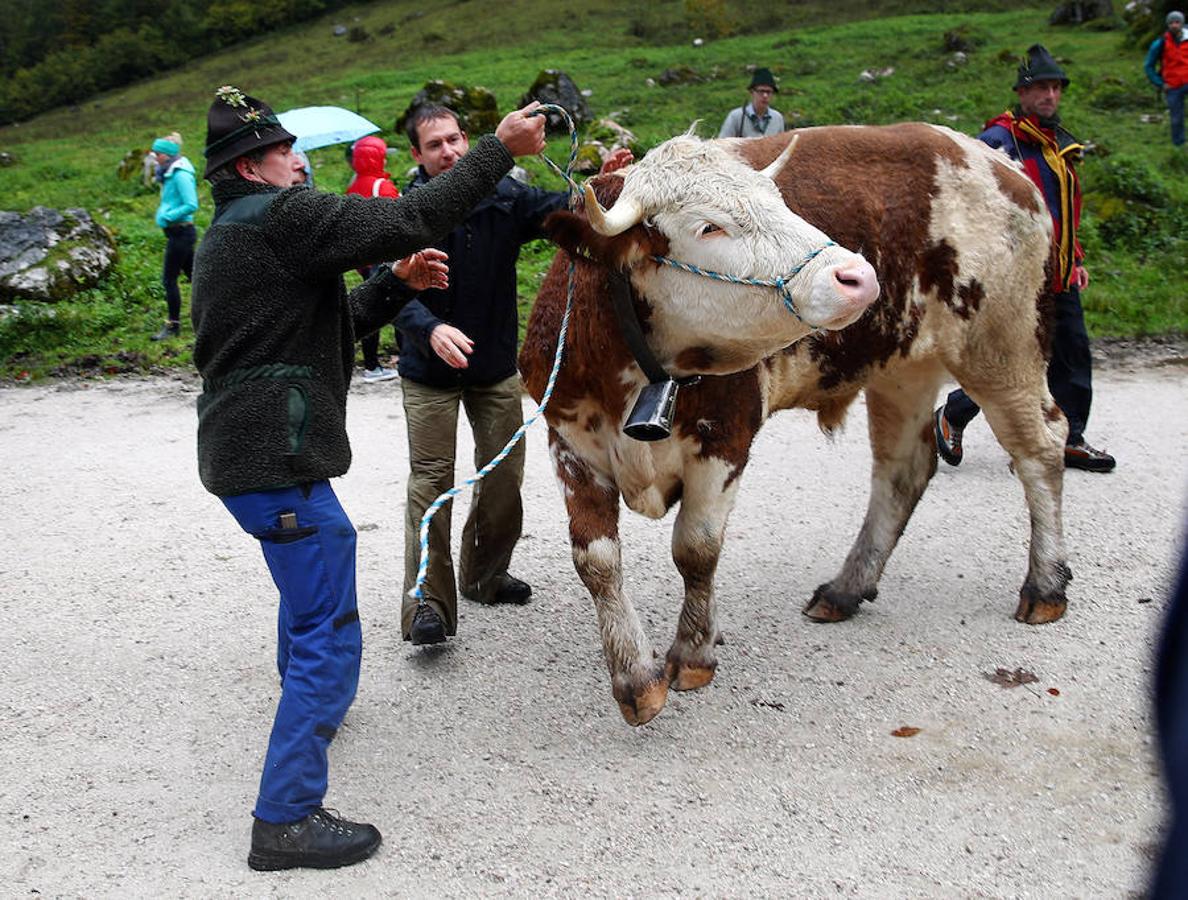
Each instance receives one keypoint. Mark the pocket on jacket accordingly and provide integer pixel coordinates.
(298, 417)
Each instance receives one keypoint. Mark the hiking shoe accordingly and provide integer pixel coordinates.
(427, 627)
(380, 374)
(511, 590)
(948, 438)
(321, 840)
(1083, 456)
(168, 330)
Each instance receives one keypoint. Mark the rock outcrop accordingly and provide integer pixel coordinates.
(48, 254)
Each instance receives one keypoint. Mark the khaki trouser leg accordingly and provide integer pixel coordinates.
(432, 418)
(496, 514)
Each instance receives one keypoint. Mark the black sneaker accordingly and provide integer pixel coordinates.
(1083, 456)
(427, 626)
(948, 438)
(511, 590)
(168, 330)
(319, 841)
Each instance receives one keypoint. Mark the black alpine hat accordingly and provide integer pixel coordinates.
(237, 124)
(1039, 65)
(763, 78)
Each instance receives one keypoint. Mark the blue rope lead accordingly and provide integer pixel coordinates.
(417, 591)
(783, 284)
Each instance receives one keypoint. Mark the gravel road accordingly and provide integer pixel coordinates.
(138, 684)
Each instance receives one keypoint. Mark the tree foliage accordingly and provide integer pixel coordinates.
(63, 52)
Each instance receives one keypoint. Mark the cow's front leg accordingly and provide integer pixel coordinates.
(708, 497)
(637, 680)
(904, 459)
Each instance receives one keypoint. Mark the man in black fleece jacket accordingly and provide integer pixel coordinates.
(274, 342)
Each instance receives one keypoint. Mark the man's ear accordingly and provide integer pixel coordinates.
(416, 154)
(243, 166)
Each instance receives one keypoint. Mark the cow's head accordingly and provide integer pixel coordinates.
(693, 201)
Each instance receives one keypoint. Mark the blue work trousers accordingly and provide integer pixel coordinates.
(309, 545)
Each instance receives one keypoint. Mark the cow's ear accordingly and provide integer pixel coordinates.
(572, 232)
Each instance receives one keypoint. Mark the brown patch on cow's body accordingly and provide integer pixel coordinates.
(971, 295)
(593, 507)
(695, 359)
(938, 271)
(597, 345)
(884, 214)
(1017, 187)
(722, 413)
(1045, 307)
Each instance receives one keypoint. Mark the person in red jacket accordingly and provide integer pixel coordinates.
(368, 156)
(1167, 69)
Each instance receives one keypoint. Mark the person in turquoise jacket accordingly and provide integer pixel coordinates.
(175, 215)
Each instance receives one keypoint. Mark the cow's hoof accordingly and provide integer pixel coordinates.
(1034, 610)
(689, 677)
(1037, 607)
(642, 705)
(829, 605)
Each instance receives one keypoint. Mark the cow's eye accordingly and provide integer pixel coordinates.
(709, 228)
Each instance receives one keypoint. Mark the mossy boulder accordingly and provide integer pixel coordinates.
(49, 255)
(475, 106)
(554, 86)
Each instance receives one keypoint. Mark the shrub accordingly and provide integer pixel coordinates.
(709, 18)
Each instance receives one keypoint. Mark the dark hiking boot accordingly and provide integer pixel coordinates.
(1083, 456)
(511, 590)
(948, 438)
(319, 841)
(168, 330)
(427, 626)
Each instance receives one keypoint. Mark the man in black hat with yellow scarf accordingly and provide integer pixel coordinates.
(1032, 135)
(274, 342)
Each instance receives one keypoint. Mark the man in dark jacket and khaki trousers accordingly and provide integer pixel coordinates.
(459, 347)
(274, 343)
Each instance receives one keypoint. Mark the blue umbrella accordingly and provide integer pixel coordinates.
(321, 126)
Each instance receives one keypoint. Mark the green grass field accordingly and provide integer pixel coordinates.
(1136, 201)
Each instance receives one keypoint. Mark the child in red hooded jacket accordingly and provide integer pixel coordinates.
(368, 156)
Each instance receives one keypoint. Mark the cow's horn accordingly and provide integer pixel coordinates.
(774, 169)
(615, 220)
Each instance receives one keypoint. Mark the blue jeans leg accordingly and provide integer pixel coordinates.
(1175, 112)
(312, 561)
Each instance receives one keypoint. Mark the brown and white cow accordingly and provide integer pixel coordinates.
(961, 242)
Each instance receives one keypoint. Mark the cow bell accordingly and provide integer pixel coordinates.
(651, 419)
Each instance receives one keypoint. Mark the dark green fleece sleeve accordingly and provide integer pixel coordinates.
(323, 235)
(377, 300)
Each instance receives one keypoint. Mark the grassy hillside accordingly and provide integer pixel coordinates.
(1137, 205)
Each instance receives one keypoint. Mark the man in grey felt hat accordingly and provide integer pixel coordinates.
(274, 336)
(756, 118)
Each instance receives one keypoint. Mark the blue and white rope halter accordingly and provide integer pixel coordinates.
(783, 284)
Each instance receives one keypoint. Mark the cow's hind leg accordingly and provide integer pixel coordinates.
(709, 492)
(637, 680)
(1031, 428)
(904, 459)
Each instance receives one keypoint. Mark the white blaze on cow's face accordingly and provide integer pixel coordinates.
(722, 215)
